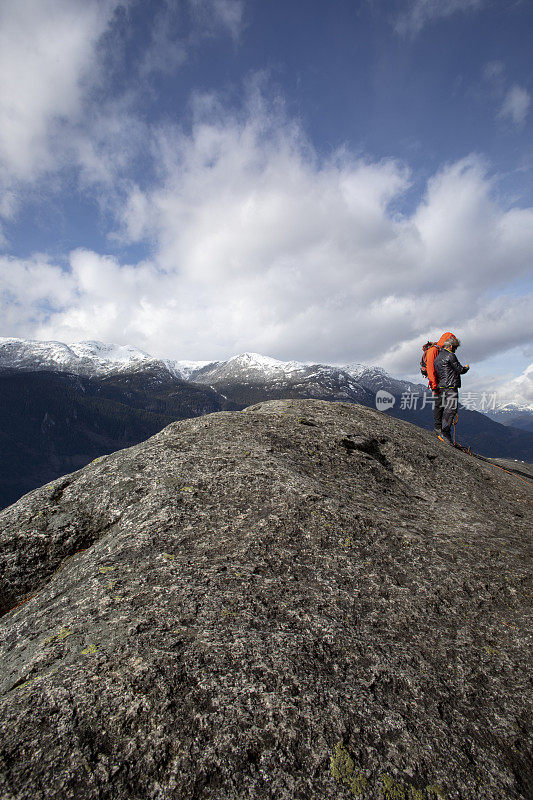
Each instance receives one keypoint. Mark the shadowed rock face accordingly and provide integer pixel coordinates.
(301, 600)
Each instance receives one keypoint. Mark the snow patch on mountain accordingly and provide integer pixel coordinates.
(185, 369)
(516, 415)
(89, 358)
(268, 367)
(249, 373)
(16, 353)
(253, 369)
(109, 353)
(376, 379)
(356, 369)
(514, 408)
(80, 358)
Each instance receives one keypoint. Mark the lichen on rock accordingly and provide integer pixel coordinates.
(343, 770)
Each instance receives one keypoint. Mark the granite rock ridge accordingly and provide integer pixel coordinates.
(301, 600)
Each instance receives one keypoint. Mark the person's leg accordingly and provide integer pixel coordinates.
(449, 401)
(437, 412)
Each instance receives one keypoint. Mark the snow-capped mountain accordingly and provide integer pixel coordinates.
(375, 378)
(511, 409)
(88, 358)
(82, 358)
(513, 414)
(250, 366)
(99, 359)
(242, 378)
(249, 377)
(185, 369)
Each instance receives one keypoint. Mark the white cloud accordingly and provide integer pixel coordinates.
(516, 105)
(494, 71)
(226, 15)
(51, 62)
(259, 245)
(504, 388)
(485, 328)
(520, 389)
(47, 51)
(419, 13)
(32, 290)
(514, 101)
(172, 40)
(106, 150)
(166, 51)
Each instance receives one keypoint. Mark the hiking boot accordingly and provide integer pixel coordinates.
(445, 437)
(438, 432)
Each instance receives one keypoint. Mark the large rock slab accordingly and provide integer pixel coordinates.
(302, 600)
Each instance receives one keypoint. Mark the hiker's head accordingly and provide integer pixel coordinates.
(452, 343)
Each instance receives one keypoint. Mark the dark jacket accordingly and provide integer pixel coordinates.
(448, 370)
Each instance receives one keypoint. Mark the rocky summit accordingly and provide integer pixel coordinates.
(300, 601)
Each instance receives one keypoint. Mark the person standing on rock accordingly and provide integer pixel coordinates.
(448, 372)
(429, 361)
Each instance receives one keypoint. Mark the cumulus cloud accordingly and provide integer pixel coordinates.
(501, 389)
(419, 13)
(492, 327)
(520, 389)
(258, 244)
(47, 51)
(515, 106)
(32, 290)
(51, 63)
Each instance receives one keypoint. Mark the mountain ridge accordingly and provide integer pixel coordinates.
(51, 423)
(97, 359)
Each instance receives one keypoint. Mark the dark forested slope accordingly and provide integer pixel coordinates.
(52, 423)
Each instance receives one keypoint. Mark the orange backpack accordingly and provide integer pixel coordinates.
(423, 360)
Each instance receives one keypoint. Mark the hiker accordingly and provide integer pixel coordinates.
(448, 373)
(430, 353)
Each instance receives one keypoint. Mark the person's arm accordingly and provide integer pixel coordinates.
(454, 363)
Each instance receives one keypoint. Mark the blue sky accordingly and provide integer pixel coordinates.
(320, 181)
